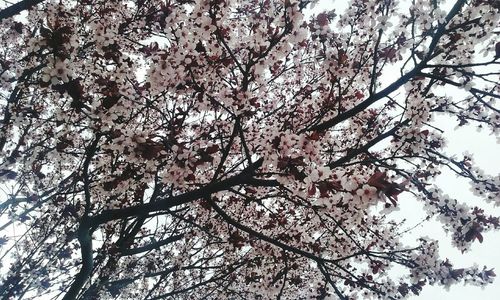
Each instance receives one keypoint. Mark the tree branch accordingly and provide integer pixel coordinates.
(15, 9)
(245, 177)
(85, 239)
(152, 246)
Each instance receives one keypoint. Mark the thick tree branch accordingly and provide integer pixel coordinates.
(85, 239)
(367, 146)
(15, 9)
(245, 177)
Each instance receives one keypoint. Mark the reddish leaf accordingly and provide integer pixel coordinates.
(312, 190)
(389, 53)
(314, 136)
(322, 19)
(359, 95)
(390, 189)
(149, 149)
(378, 180)
(479, 237)
(212, 149)
(109, 102)
(343, 57)
(190, 177)
(236, 239)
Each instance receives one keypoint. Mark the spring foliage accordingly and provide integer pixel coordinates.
(211, 149)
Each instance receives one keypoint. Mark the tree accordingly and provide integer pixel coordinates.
(237, 149)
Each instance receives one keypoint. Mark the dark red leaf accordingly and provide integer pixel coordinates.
(359, 95)
(212, 149)
(479, 237)
(322, 19)
(312, 190)
(378, 180)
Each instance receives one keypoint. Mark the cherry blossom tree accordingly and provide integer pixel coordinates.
(212, 149)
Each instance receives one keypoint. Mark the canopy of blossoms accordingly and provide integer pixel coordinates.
(213, 149)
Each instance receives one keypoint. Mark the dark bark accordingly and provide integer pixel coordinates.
(85, 239)
(15, 9)
(245, 177)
